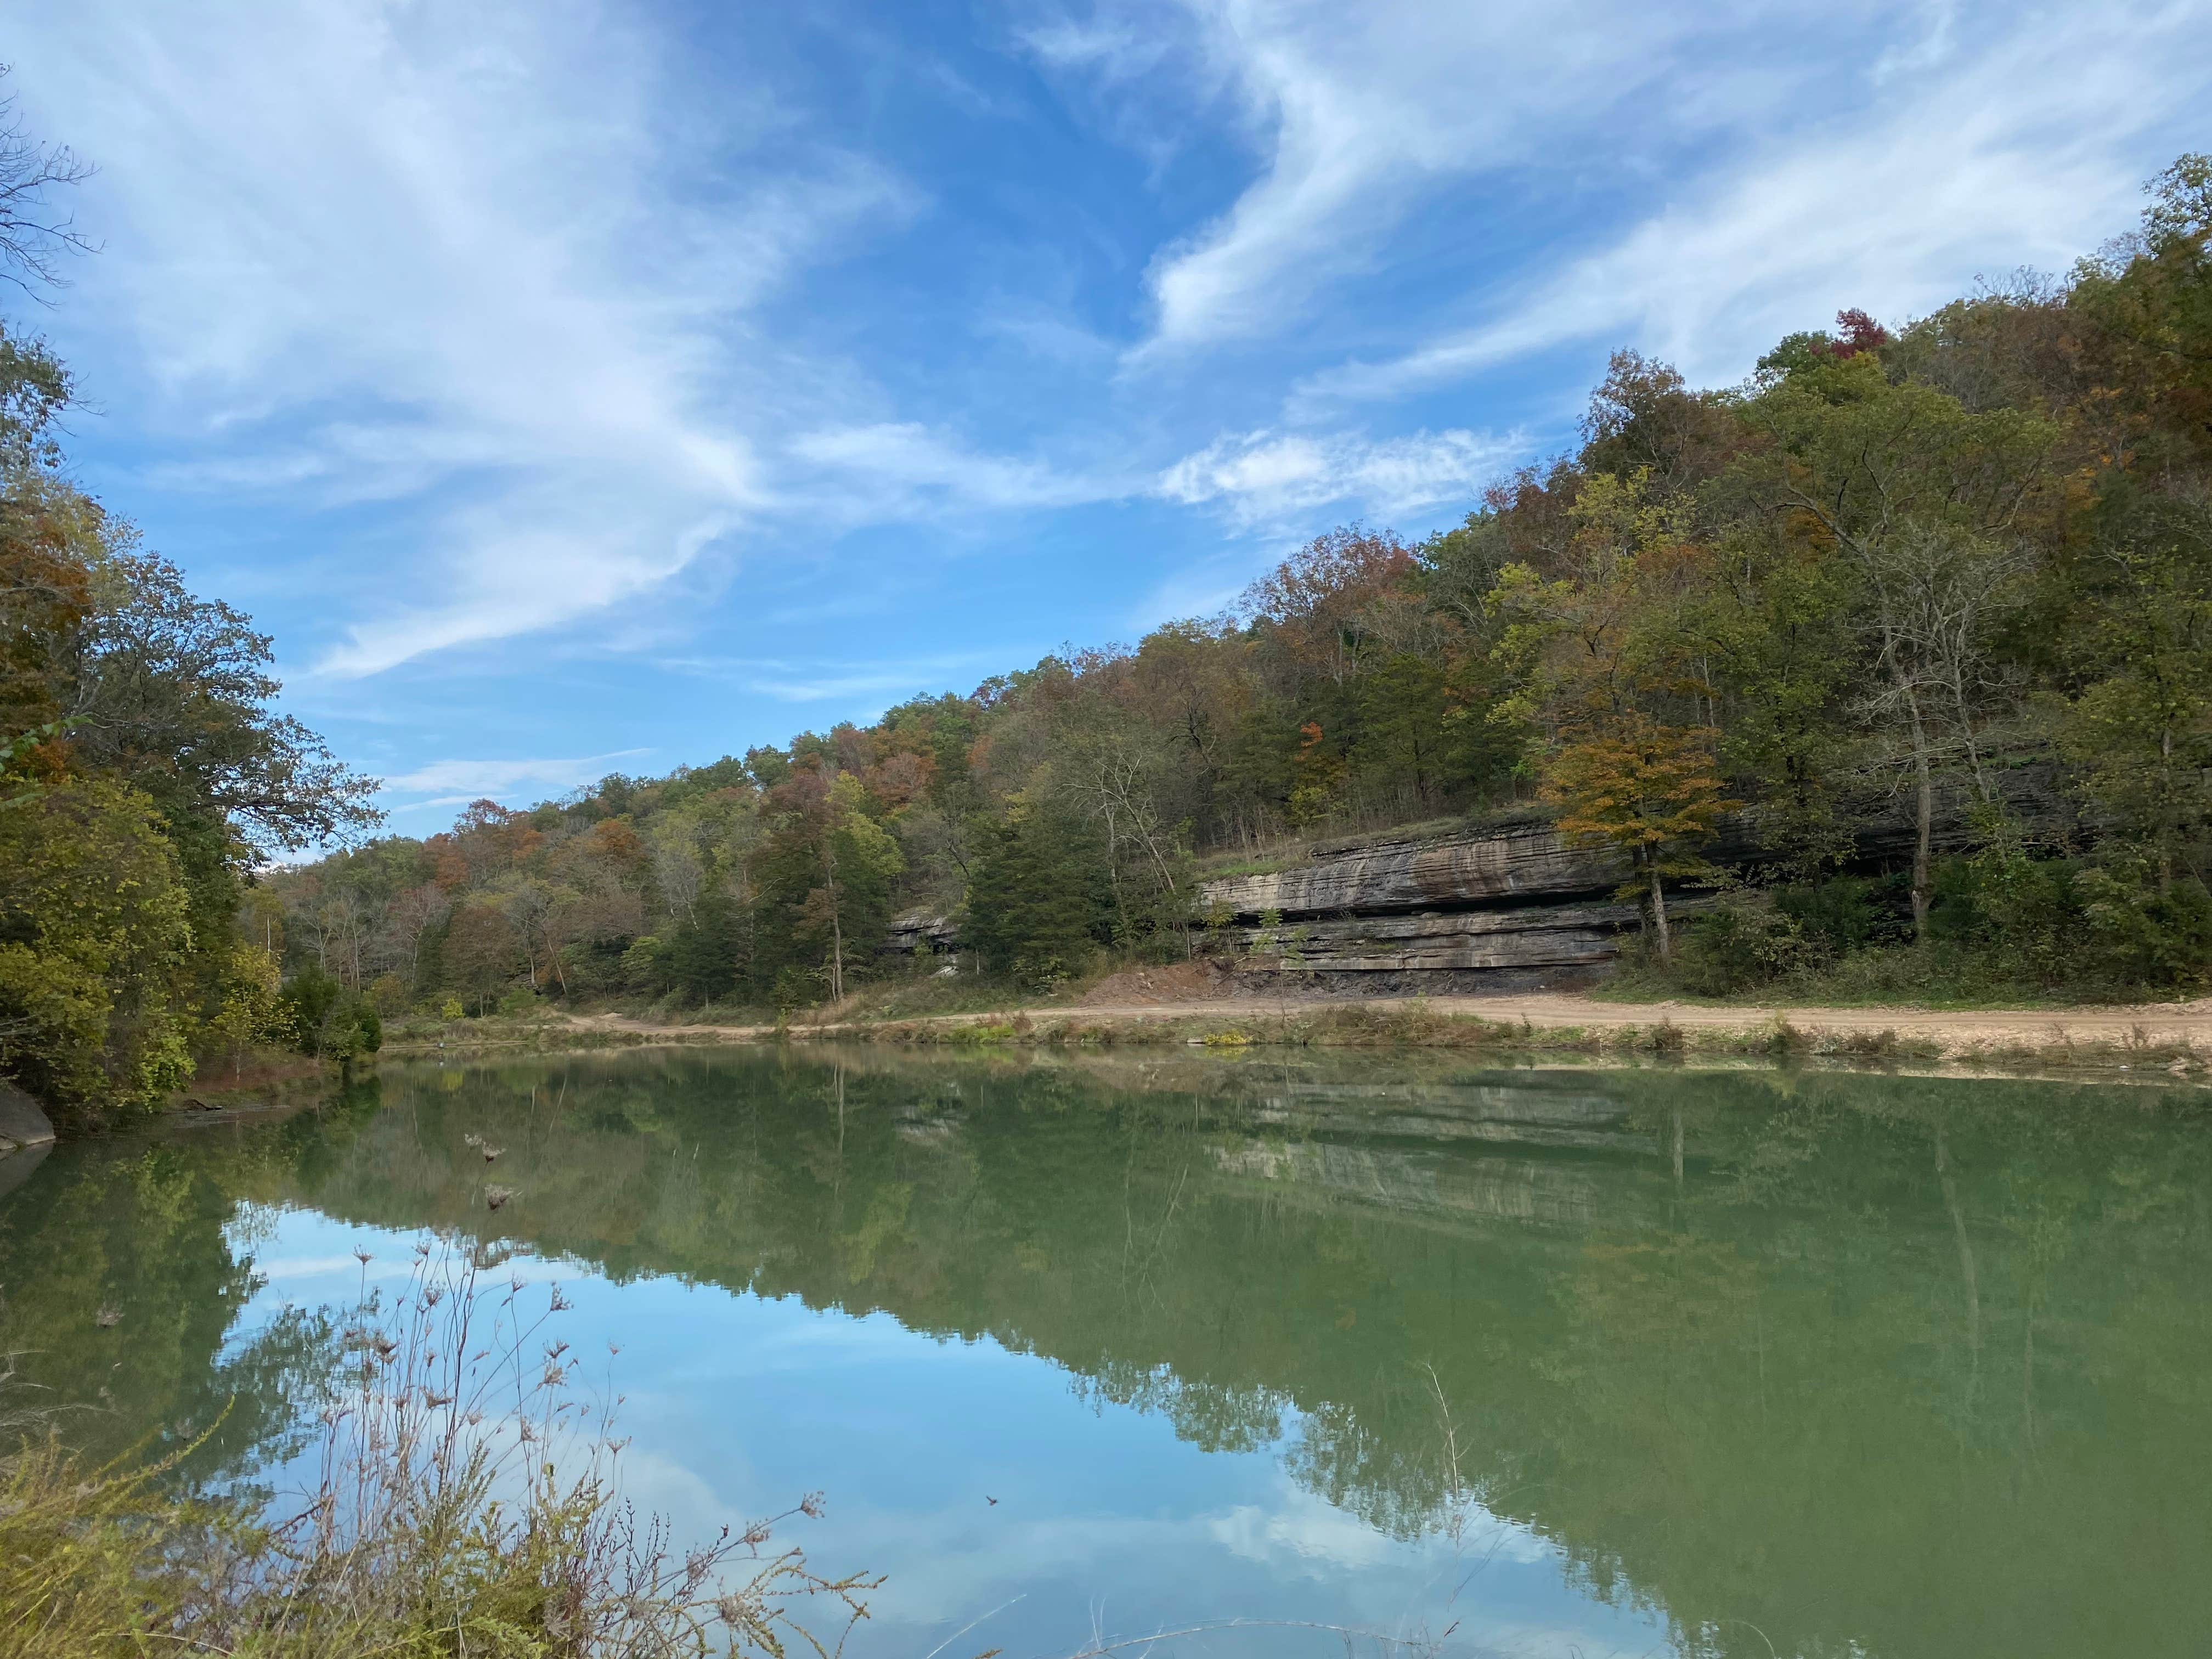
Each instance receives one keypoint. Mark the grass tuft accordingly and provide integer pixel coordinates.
(467, 1503)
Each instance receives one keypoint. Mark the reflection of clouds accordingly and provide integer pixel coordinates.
(1299, 1533)
(804, 1337)
(1305, 1533)
(738, 1404)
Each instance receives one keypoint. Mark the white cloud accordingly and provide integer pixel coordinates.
(876, 677)
(901, 467)
(457, 781)
(1262, 476)
(1887, 160)
(2032, 151)
(501, 261)
(1360, 113)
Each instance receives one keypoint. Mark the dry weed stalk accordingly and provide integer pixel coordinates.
(466, 1501)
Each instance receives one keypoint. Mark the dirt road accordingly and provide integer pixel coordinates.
(2162, 1025)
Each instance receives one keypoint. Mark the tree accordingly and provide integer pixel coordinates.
(1927, 501)
(410, 916)
(482, 953)
(1038, 904)
(95, 938)
(1933, 597)
(2141, 730)
(1650, 790)
(827, 868)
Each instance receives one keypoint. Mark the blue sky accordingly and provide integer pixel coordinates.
(575, 388)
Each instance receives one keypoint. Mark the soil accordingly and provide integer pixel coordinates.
(1178, 983)
(1189, 992)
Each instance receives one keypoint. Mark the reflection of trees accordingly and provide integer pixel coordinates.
(149, 1233)
(1853, 1375)
(1919, 1365)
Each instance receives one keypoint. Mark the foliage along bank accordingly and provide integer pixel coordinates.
(1901, 566)
(144, 776)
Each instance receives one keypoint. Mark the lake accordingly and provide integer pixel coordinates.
(1489, 1361)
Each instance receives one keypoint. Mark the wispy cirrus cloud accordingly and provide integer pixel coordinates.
(517, 250)
(456, 782)
(794, 681)
(1735, 179)
(2024, 142)
(1359, 115)
(902, 468)
(1266, 477)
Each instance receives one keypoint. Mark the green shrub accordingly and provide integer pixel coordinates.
(1840, 914)
(329, 1020)
(2138, 933)
(1737, 945)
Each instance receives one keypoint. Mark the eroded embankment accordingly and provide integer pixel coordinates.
(2174, 1037)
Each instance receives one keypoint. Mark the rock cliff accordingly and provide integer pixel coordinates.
(1512, 904)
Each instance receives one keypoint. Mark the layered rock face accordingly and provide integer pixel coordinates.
(1514, 906)
(1512, 909)
(921, 931)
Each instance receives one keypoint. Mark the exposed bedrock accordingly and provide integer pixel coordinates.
(1511, 905)
(924, 930)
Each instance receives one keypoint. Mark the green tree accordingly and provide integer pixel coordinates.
(826, 868)
(94, 940)
(1038, 900)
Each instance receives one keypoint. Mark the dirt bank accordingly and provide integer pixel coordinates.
(2177, 1035)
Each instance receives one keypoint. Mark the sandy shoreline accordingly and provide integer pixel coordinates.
(2171, 1030)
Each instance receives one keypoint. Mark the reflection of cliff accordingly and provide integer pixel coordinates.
(1921, 1367)
(1422, 1183)
(1769, 1391)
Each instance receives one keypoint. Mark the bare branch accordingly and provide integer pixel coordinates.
(35, 230)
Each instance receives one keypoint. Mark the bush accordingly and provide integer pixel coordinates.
(1839, 915)
(95, 936)
(387, 994)
(1741, 944)
(1042, 972)
(2139, 934)
(327, 1019)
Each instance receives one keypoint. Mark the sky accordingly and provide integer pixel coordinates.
(573, 389)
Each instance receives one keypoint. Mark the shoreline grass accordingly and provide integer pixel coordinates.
(466, 1501)
(1354, 1026)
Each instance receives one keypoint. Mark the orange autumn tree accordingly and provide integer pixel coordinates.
(1651, 790)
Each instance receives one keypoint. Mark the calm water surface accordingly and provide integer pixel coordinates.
(1533, 1361)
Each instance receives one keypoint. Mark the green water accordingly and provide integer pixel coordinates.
(1525, 1362)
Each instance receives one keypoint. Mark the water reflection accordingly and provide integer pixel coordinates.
(1833, 1363)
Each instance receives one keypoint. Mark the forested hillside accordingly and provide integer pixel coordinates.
(1896, 567)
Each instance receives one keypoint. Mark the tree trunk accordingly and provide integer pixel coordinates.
(837, 921)
(1659, 915)
(1970, 1280)
(2166, 830)
(1924, 818)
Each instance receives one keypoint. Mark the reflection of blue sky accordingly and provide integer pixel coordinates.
(739, 1404)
